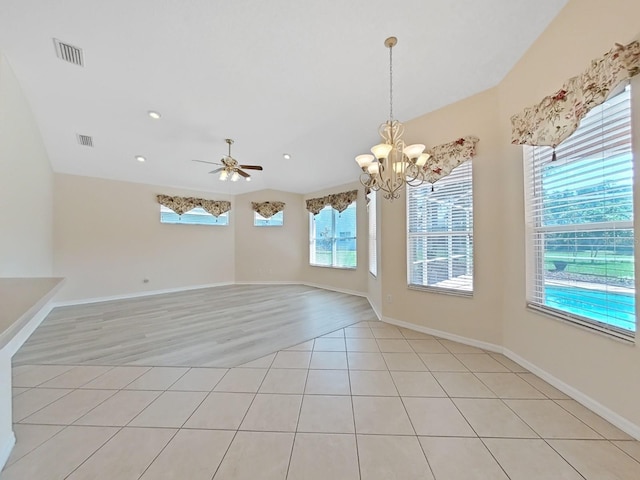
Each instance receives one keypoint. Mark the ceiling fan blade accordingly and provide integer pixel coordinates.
(243, 174)
(217, 170)
(251, 167)
(204, 161)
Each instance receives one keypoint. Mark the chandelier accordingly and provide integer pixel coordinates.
(392, 164)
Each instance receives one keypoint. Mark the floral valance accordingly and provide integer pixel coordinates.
(557, 116)
(338, 201)
(181, 205)
(214, 207)
(444, 158)
(267, 209)
(314, 205)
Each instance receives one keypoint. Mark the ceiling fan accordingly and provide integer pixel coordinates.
(230, 167)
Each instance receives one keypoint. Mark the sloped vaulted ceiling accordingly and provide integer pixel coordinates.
(308, 78)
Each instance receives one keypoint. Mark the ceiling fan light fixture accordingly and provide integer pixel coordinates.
(230, 168)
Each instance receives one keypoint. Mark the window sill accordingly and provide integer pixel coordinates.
(334, 268)
(444, 291)
(627, 339)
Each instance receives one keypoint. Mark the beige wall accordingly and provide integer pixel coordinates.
(108, 238)
(605, 370)
(26, 186)
(342, 279)
(270, 254)
(478, 317)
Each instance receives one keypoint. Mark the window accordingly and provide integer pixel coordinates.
(440, 233)
(373, 244)
(196, 216)
(580, 223)
(333, 238)
(276, 220)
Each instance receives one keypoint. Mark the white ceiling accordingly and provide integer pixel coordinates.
(297, 76)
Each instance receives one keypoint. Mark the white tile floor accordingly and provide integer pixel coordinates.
(370, 401)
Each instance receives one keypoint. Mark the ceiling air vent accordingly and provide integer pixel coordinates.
(85, 140)
(69, 53)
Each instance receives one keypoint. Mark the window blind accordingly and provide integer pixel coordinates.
(332, 241)
(580, 222)
(440, 232)
(373, 250)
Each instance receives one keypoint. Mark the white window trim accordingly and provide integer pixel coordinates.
(535, 260)
(459, 292)
(334, 238)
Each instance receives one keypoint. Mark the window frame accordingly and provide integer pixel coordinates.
(372, 211)
(203, 213)
(267, 224)
(334, 238)
(535, 231)
(449, 234)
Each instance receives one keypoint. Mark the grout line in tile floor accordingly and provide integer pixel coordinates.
(119, 429)
(295, 434)
(311, 350)
(243, 417)
(404, 406)
(353, 412)
(563, 457)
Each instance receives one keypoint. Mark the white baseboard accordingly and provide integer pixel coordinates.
(124, 296)
(375, 310)
(335, 289)
(612, 417)
(25, 332)
(5, 449)
(446, 335)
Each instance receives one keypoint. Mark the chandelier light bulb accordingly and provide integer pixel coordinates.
(235, 177)
(381, 151)
(223, 175)
(374, 168)
(399, 168)
(422, 159)
(413, 151)
(365, 160)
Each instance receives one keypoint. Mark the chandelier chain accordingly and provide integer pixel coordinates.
(391, 83)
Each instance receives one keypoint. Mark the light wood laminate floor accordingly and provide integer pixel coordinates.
(213, 327)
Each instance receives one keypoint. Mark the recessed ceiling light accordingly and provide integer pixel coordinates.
(140, 158)
(286, 156)
(154, 115)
